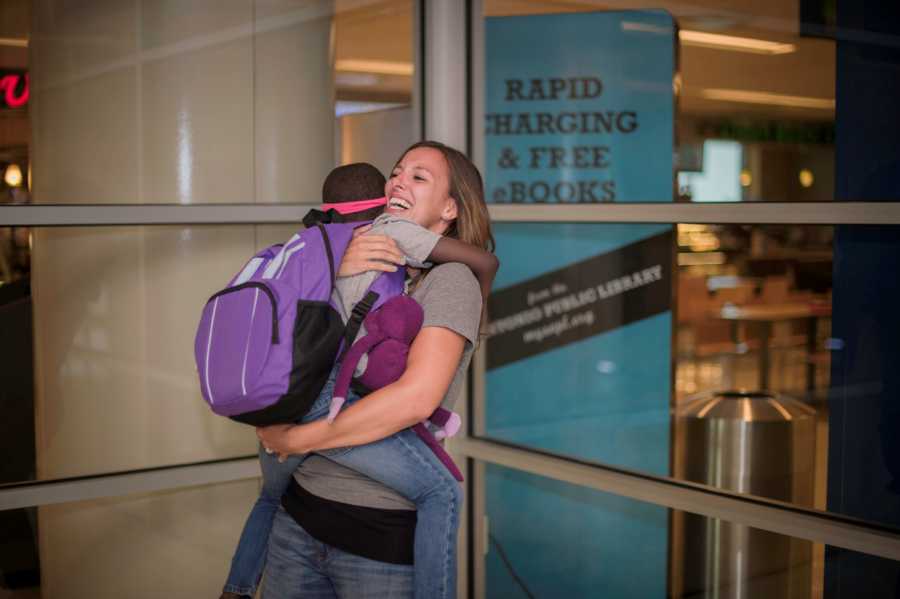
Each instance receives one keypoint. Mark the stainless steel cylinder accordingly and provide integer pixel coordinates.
(756, 443)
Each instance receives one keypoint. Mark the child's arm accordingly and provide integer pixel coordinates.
(483, 263)
(421, 245)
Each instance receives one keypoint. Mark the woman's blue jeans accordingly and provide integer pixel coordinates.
(300, 567)
(402, 462)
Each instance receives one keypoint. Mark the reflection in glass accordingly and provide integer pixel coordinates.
(162, 103)
(552, 539)
(749, 340)
(163, 544)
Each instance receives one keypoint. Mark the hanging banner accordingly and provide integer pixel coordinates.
(579, 108)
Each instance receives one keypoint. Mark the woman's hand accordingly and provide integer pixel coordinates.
(370, 252)
(280, 438)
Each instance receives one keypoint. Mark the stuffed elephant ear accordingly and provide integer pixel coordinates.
(385, 364)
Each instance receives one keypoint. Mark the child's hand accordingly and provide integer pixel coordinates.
(370, 252)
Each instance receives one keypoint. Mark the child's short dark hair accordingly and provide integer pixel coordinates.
(353, 182)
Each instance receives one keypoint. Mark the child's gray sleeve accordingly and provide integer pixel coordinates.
(416, 242)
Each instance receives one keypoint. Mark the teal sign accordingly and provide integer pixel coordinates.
(579, 108)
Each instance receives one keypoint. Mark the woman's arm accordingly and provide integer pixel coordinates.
(433, 359)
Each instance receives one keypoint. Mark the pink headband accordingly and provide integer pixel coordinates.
(351, 207)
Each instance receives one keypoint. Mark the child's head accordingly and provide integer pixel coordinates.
(352, 183)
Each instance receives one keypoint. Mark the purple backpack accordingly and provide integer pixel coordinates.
(268, 341)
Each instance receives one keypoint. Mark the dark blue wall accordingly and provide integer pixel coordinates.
(864, 400)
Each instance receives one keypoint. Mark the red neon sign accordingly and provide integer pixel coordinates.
(14, 95)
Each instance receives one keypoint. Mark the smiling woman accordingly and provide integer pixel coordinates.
(420, 175)
(371, 492)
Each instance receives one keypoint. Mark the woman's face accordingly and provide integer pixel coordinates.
(418, 189)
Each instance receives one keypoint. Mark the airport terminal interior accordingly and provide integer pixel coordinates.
(711, 314)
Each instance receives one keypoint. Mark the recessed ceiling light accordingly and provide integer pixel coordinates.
(719, 41)
(15, 42)
(380, 67)
(751, 97)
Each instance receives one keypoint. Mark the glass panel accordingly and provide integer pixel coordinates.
(160, 103)
(98, 363)
(169, 543)
(552, 539)
(771, 372)
(206, 102)
(771, 104)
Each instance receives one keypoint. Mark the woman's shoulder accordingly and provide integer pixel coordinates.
(451, 298)
(451, 276)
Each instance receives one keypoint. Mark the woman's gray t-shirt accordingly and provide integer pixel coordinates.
(451, 298)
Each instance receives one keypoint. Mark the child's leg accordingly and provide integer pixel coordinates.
(404, 463)
(250, 555)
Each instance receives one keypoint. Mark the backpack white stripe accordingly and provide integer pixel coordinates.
(247, 346)
(212, 321)
(287, 256)
(248, 271)
(275, 264)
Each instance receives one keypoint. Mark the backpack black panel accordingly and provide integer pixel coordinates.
(318, 332)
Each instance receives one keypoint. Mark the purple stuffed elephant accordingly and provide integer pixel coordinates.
(390, 331)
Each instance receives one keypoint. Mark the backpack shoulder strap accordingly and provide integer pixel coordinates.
(357, 316)
(328, 251)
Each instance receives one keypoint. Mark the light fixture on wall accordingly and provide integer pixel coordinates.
(746, 178)
(14, 42)
(702, 39)
(806, 177)
(13, 175)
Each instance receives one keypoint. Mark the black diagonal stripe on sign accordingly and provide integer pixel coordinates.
(580, 300)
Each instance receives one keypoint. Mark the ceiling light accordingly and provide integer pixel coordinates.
(700, 258)
(13, 175)
(356, 79)
(718, 41)
(381, 67)
(750, 97)
(15, 42)
(806, 177)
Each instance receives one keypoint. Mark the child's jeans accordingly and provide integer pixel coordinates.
(402, 462)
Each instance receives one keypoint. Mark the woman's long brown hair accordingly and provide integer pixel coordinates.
(473, 223)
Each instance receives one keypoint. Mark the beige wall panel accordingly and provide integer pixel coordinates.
(115, 310)
(166, 22)
(85, 140)
(71, 40)
(376, 137)
(169, 544)
(196, 111)
(267, 235)
(294, 111)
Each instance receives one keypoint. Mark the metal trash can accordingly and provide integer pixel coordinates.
(757, 443)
